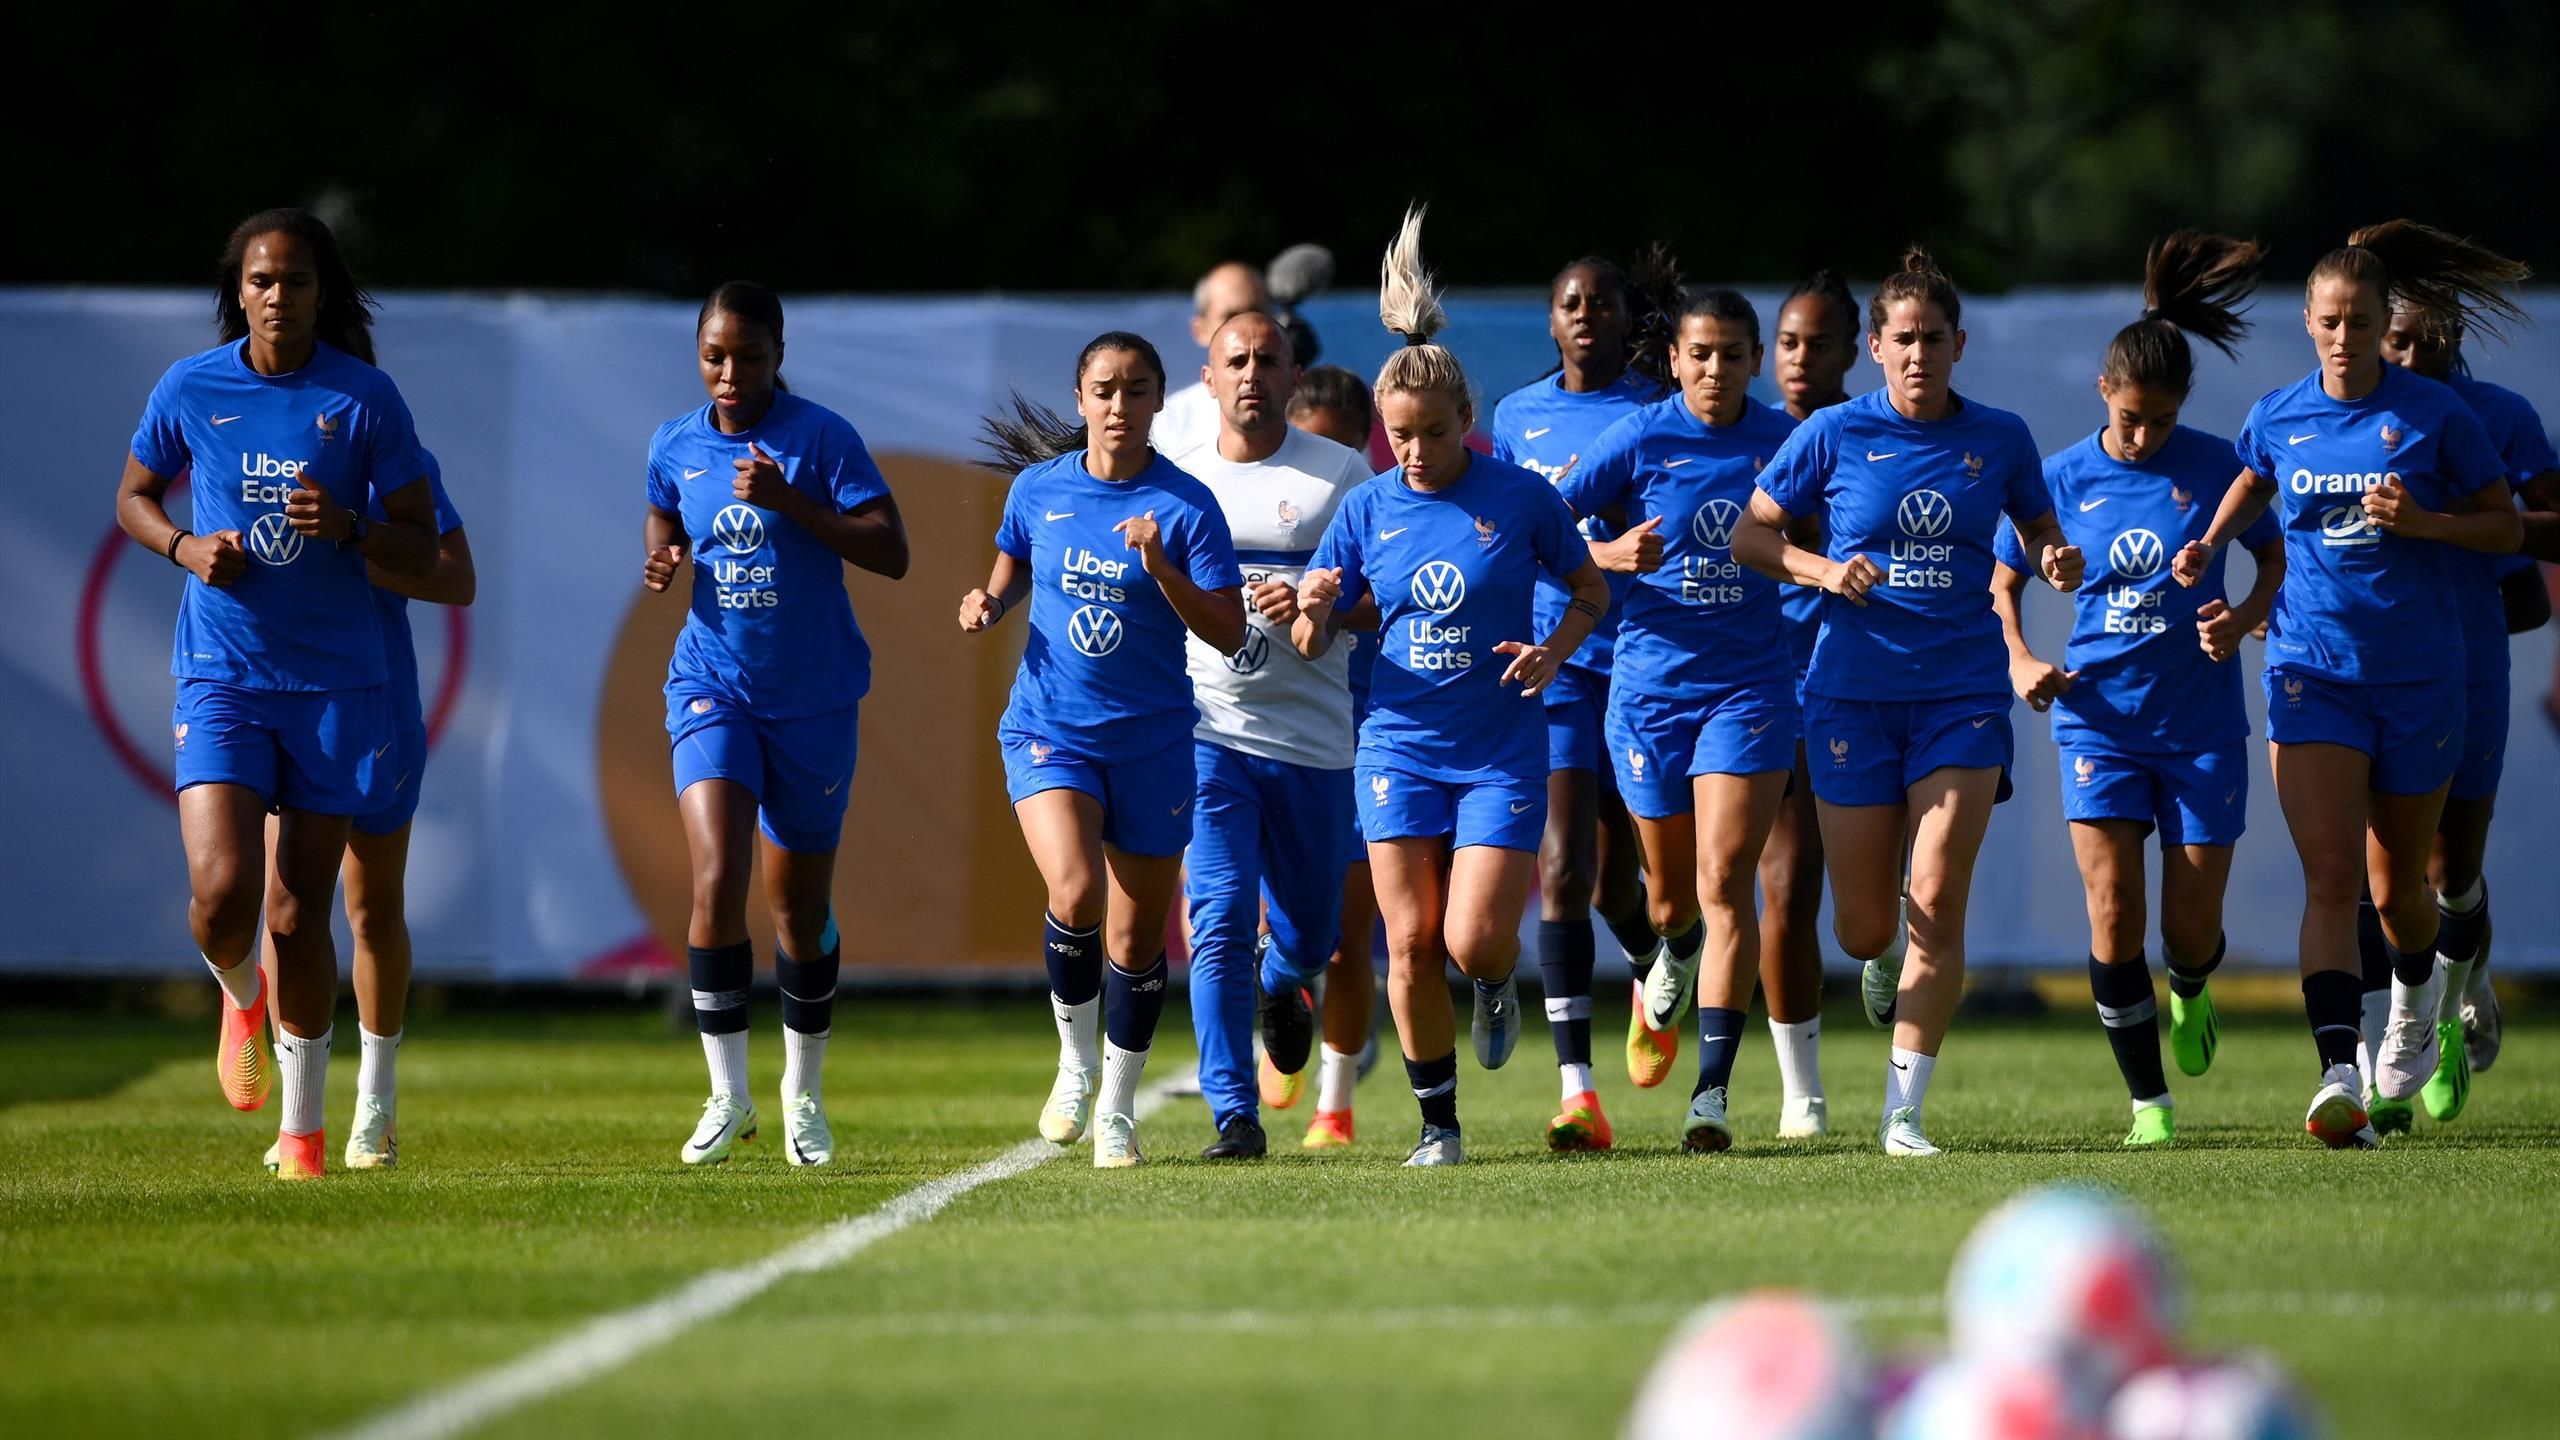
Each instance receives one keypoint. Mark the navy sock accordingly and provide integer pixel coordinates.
(1719, 1039)
(2190, 983)
(1634, 930)
(1131, 1005)
(1564, 966)
(1075, 960)
(2333, 1001)
(1690, 941)
(721, 976)
(809, 986)
(2410, 967)
(2131, 1015)
(2371, 949)
(2458, 936)
(1435, 1088)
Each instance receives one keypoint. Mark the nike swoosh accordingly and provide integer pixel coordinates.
(388, 744)
(403, 780)
(695, 474)
(1534, 434)
(1713, 1039)
(2298, 439)
(830, 790)
(2230, 797)
(1062, 514)
(1889, 454)
(1898, 1065)
(2439, 744)
(1185, 805)
(1391, 534)
(1676, 464)
(2088, 505)
(1522, 809)
(224, 419)
(1763, 725)
(799, 1154)
(1985, 720)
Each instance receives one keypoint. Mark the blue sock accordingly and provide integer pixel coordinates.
(1131, 1005)
(809, 986)
(1075, 960)
(1633, 930)
(1435, 1088)
(1564, 967)
(2371, 950)
(1719, 1040)
(2458, 934)
(2330, 1001)
(1690, 941)
(2130, 1014)
(720, 977)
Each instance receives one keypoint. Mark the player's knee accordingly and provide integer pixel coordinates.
(801, 930)
(1669, 911)
(2334, 879)
(1564, 881)
(379, 923)
(1864, 936)
(2116, 923)
(1724, 884)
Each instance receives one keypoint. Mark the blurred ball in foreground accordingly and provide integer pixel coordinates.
(1992, 1397)
(1767, 1366)
(2241, 1398)
(2070, 1278)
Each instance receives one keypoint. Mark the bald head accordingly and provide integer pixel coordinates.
(1224, 293)
(1252, 372)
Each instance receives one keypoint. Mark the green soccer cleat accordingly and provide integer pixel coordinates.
(2388, 1117)
(2155, 1127)
(2194, 1033)
(2449, 1089)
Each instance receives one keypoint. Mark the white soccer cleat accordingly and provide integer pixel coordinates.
(2337, 1116)
(1805, 1117)
(1707, 1131)
(373, 1145)
(2482, 1026)
(1497, 1022)
(727, 1123)
(2408, 1054)
(806, 1138)
(1069, 1109)
(1668, 986)
(1115, 1142)
(1880, 979)
(1438, 1147)
(1900, 1134)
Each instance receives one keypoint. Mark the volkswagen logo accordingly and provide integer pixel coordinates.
(274, 540)
(2137, 554)
(1439, 587)
(1713, 524)
(1257, 649)
(1094, 630)
(1925, 514)
(738, 529)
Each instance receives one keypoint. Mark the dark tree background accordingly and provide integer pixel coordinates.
(898, 146)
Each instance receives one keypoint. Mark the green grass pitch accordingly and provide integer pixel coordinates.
(155, 1281)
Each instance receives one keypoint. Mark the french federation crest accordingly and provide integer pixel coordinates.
(1484, 533)
(1039, 753)
(2085, 768)
(2186, 502)
(2292, 690)
(1378, 787)
(2390, 439)
(1972, 466)
(1288, 516)
(1635, 763)
(1839, 752)
(328, 428)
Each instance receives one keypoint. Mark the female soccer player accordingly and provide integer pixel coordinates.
(1097, 739)
(1588, 855)
(1451, 770)
(2147, 717)
(281, 679)
(2364, 702)
(1702, 710)
(770, 496)
(1816, 343)
(1906, 712)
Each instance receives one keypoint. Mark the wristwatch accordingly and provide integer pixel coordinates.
(357, 528)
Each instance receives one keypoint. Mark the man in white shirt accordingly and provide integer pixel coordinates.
(1190, 414)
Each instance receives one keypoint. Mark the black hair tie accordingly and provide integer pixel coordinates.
(1414, 340)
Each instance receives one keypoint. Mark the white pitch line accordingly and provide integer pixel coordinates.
(611, 1341)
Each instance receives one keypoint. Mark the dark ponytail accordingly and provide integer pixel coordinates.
(346, 311)
(1919, 278)
(1657, 295)
(1033, 434)
(2422, 268)
(2192, 284)
(751, 302)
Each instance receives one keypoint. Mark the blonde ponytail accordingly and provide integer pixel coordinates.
(1409, 305)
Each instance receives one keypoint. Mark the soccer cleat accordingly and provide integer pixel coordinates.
(2389, 1117)
(1668, 987)
(2154, 1127)
(372, 1145)
(1238, 1139)
(2482, 1025)
(1497, 1023)
(1649, 1051)
(1115, 1142)
(2194, 1031)
(2409, 1053)
(1330, 1130)
(1438, 1147)
(301, 1157)
(1804, 1117)
(1581, 1128)
(1288, 1025)
(240, 1061)
(2336, 1117)
(1069, 1108)
(1880, 979)
(1900, 1133)
(806, 1138)
(727, 1123)
(2449, 1089)
(1279, 1091)
(1708, 1132)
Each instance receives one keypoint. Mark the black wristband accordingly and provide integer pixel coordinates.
(998, 601)
(171, 554)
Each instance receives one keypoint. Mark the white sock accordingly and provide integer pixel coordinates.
(1906, 1080)
(378, 1065)
(305, 1067)
(1336, 1074)
(240, 982)
(803, 1056)
(2377, 1013)
(2160, 1101)
(2457, 981)
(1577, 1079)
(1799, 1057)
(1120, 1072)
(1079, 1033)
(727, 1055)
(2466, 902)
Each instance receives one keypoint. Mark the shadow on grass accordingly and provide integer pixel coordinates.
(49, 1056)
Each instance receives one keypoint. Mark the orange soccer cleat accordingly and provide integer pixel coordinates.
(1649, 1051)
(1330, 1130)
(1582, 1127)
(240, 1060)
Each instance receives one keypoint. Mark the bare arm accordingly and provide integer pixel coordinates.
(2242, 504)
(2486, 520)
(403, 544)
(1762, 540)
(2057, 559)
(1216, 616)
(215, 559)
(870, 536)
(663, 543)
(2220, 626)
(2035, 681)
(1535, 666)
(452, 580)
(1008, 585)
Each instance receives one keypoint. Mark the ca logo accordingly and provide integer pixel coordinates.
(1713, 524)
(1094, 630)
(1925, 514)
(274, 540)
(2137, 554)
(1257, 649)
(2346, 525)
(738, 529)
(1440, 587)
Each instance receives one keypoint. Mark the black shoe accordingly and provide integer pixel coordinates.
(1239, 1139)
(1288, 1029)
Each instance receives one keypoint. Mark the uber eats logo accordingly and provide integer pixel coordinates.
(738, 584)
(2132, 609)
(1920, 559)
(1439, 587)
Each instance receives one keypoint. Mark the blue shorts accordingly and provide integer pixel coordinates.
(409, 725)
(1658, 744)
(2199, 797)
(1871, 752)
(1576, 700)
(2484, 730)
(2412, 732)
(1146, 802)
(329, 752)
(1508, 812)
(799, 769)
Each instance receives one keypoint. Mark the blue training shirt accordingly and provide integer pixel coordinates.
(1546, 428)
(2361, 606)
(1104, 663)
(1703, 621)
(1454, 570)
(2145, 685)
(771, 629)
(2515, 431)
(300, 615)
(1920, 498)
(391, 609)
